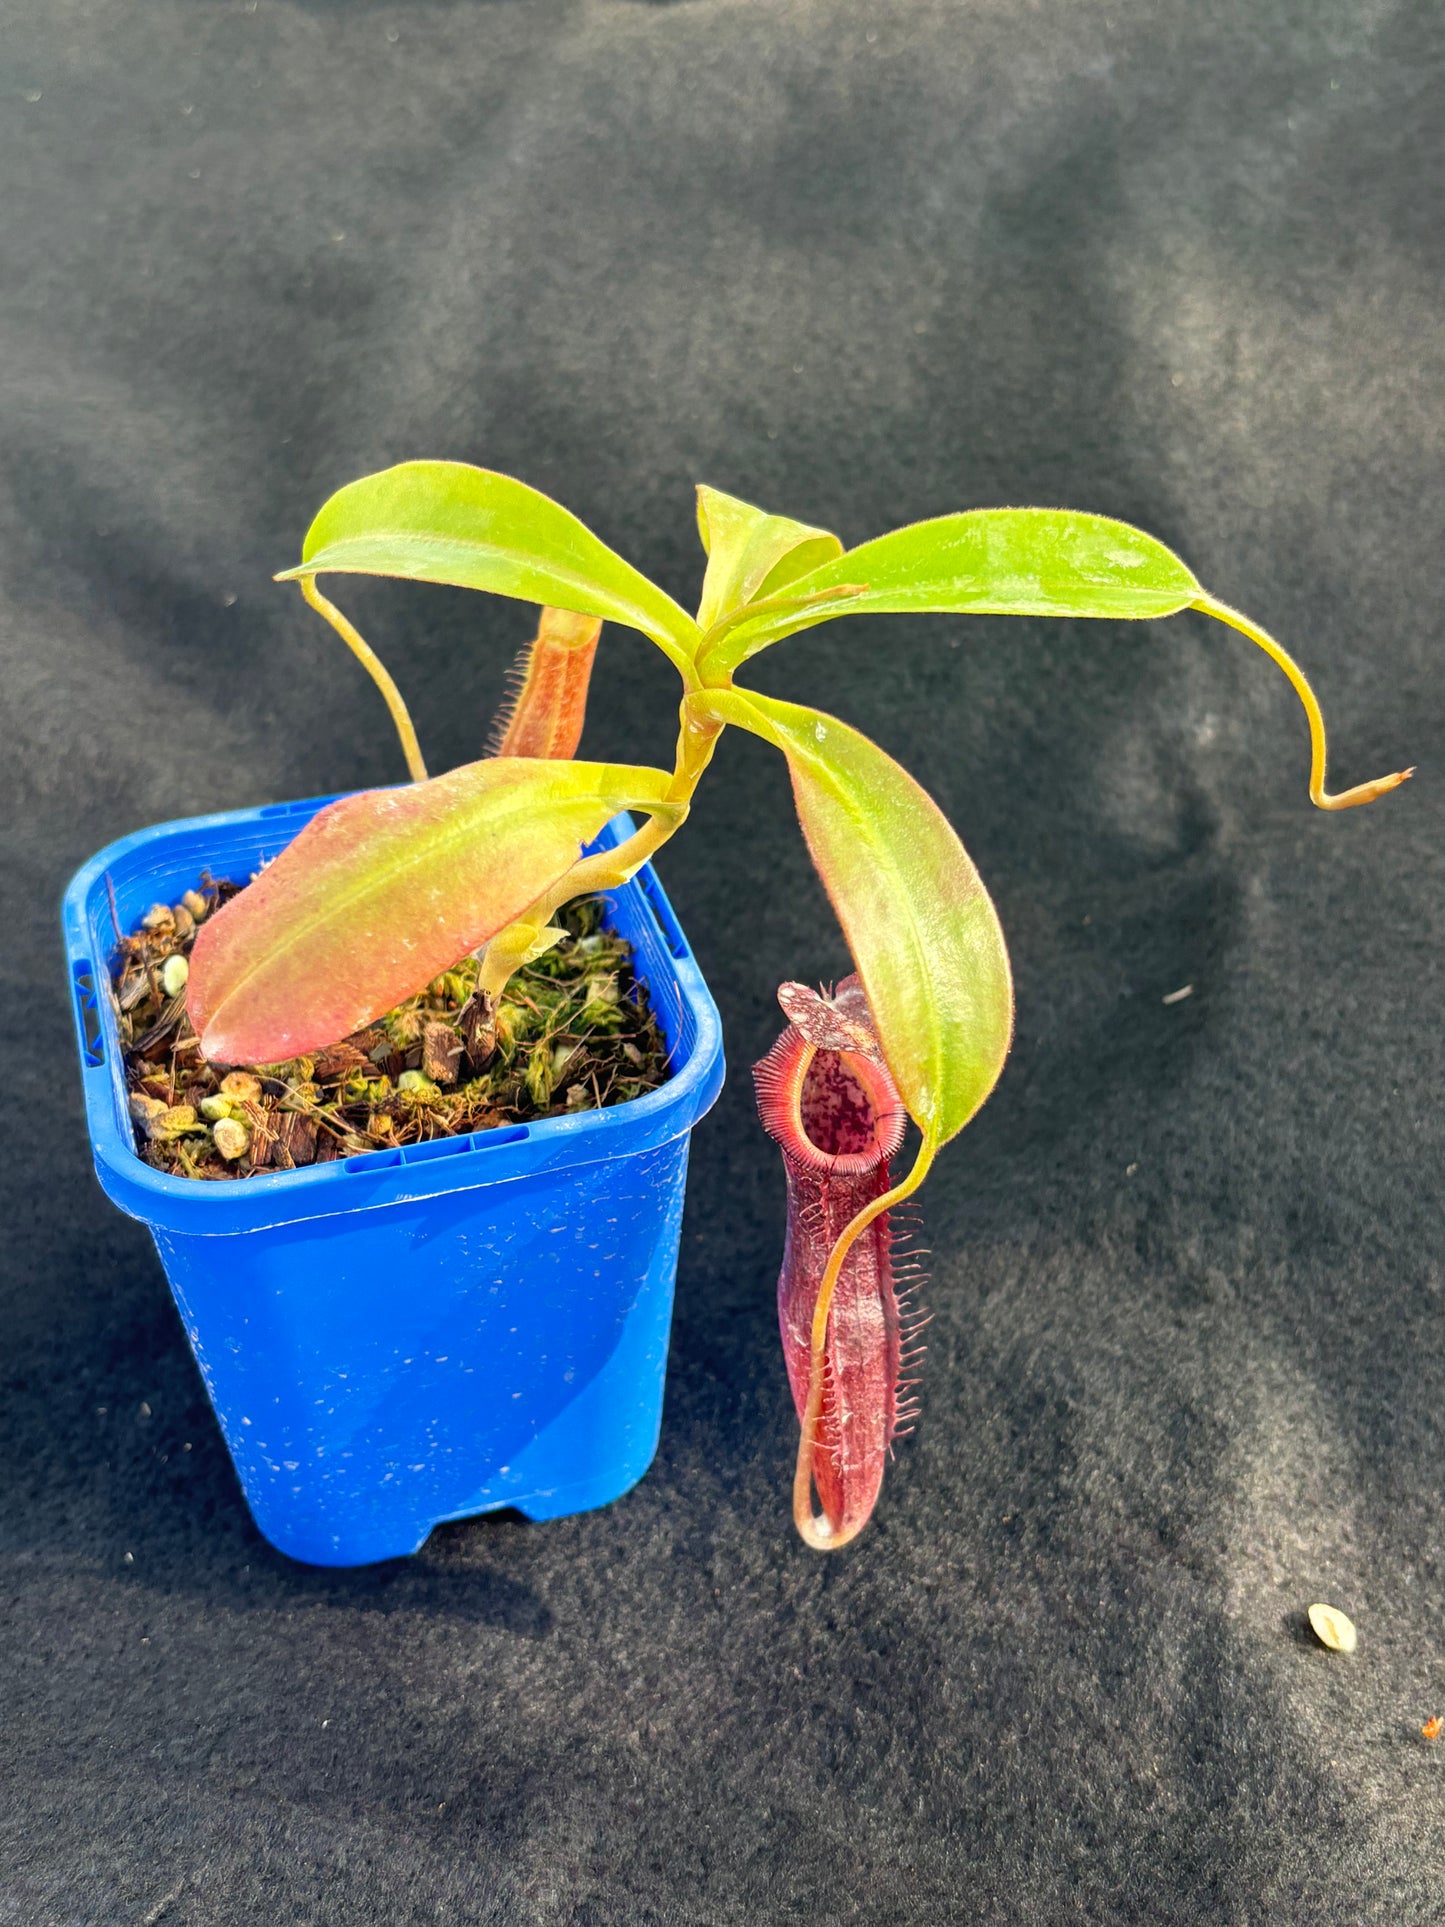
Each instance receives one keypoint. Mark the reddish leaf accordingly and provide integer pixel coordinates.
(382, 891)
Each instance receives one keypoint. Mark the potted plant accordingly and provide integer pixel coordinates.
(497, 1235)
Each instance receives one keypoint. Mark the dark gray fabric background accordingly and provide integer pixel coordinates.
(1178, 262)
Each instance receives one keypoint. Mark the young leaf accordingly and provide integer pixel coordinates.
(450, 522)
(1017, 562)
(382, 891)
(752, 554)
(923, 933)
(788, 612)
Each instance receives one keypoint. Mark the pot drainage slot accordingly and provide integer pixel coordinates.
(437, 1147)
(88, 1011)
(374, 1161)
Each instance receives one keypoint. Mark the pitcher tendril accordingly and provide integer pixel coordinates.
(1345, 799)
(381, 892)
(821, 1534)
(376, 669)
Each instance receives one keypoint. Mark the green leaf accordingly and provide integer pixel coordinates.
(793, 611)
(450, 522)
(1011, 562)
(924, 936)
(751, 554)
(381, 892)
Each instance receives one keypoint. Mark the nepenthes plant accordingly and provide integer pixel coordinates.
(382, 891)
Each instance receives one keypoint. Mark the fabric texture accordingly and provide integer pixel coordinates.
(1179, 263)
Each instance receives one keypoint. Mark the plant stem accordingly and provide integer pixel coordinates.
(374, 668)
(610, 869)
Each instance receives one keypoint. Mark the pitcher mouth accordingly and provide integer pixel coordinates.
(830, 1111)
(831, 1107)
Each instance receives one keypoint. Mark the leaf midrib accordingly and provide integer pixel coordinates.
(317, 564)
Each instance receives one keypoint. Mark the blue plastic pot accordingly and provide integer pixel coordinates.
(420, 1334)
